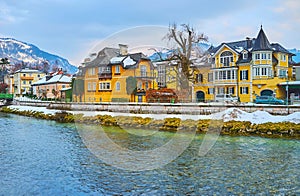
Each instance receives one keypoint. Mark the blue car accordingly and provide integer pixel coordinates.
(268, 100)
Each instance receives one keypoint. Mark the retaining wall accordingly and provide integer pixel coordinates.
(163, 108)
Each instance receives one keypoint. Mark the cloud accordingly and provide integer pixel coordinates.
(9, 14)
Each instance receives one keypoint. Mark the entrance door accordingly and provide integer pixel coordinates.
(266, 93)
(200, 96)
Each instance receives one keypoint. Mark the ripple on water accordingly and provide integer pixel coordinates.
(47, 158)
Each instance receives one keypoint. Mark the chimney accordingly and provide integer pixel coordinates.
(123, 49)
(249, 42)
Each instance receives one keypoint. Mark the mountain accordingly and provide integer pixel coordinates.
(164, 54)
(297, 53)
(21, 55)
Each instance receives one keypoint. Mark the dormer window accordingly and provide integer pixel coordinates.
(226, 58)
(245, 55)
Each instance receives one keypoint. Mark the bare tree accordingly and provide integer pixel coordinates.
(185, 38)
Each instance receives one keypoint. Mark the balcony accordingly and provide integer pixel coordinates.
(144, 75)
(27, 78)
(105, 75)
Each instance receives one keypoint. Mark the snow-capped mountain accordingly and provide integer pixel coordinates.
(297, 53)
(21, 54)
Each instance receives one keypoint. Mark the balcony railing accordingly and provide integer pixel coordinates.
(105, 75)
(144, 75)
(27, 78)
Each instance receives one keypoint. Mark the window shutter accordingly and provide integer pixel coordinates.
(247, 90)
(197, 78)
(241, 90)
(241, 77)
(246, 74)
(201, 78)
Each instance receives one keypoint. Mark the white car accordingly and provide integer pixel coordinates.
(225, 98)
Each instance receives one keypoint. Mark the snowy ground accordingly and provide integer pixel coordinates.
(257, 117)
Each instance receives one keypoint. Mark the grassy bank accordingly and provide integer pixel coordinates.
(234, 128)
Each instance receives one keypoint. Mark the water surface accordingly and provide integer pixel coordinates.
(47, 158)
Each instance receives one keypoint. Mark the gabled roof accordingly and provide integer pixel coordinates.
(278, 48)
(59, 78)
(128, 61)
(103, 57)
(261, 42)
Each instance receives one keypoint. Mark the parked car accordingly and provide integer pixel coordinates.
(268, 100)
(225, 98)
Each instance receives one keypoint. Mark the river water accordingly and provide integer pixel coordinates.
(39, 157)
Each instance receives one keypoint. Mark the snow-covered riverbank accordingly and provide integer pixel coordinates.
(257, 117)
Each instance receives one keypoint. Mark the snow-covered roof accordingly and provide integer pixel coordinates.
(28, 71)
(54, 79)
(117, 59)
(128, 61)
(65, 89)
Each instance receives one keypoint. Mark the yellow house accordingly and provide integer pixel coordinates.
(107, 78)
(245, 69)
(22, 80)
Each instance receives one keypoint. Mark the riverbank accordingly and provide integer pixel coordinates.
(232, 121)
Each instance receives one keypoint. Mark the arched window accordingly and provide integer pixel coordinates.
(226, 58)
(118, 86)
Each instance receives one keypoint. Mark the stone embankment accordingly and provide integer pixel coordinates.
(233, 128)
(164, 108)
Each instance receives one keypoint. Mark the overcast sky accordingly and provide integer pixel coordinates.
(74, 28)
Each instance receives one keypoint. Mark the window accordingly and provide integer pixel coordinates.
(210, 77)
(264, 71)
(118, 86)
(38, 75)
(63, 86)
(94, 86)
(263, 56)
(244, 75)
(269, 56)
(233, 74)
(24, 75)
(221, 90)
(117, 69)
(143, 70)
(139, 85)
(92, 71)
(257, 56)
(282, 73)
(146, 85)
(245, 55)
(30, 82)
(256, 71)
(24, 82)
(108, 70)
(199, 78)
(211, 91)
(283, 57)
(231, 90)
(100, 70)
(89, 86)
(161, 79)
(104, 86)
(244, 90)
(226, 58)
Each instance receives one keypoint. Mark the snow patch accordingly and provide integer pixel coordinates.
(128, 61)
(257, 117)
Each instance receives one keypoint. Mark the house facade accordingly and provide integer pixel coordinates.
(117, 76)
(23, 79)
(245, 69)
(52, 85)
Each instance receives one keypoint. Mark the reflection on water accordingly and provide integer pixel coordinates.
(47, 158)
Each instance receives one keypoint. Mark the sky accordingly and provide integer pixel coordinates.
(74, 28)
